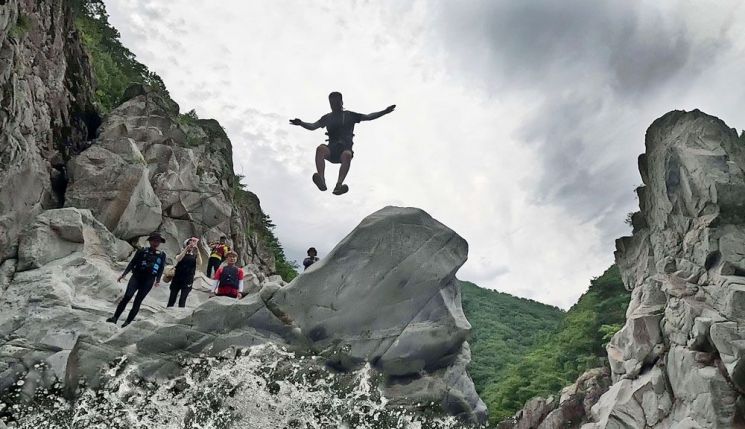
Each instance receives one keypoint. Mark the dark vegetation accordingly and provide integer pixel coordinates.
(556, 357)
(115, 68)
(503, 329)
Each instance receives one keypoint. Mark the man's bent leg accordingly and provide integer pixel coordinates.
(346, 162)
(322, 154)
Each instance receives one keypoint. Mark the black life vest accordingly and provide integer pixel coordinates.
(229, 277)
(150, 262)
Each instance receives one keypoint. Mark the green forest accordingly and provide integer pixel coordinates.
(523, 348)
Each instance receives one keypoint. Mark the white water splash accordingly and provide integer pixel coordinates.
(263, 387)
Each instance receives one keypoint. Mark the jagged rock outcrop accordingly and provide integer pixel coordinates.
(46, 110)
(677, 361)
(151, 168)
(570, 409)
(377, 299)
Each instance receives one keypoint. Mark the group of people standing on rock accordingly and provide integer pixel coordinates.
(148, 264)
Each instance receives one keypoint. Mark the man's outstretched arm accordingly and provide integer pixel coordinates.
(376, 115)
(308, 126)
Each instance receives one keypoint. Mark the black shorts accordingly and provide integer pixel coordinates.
(337, 148)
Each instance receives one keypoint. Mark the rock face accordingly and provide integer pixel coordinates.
(46, 113)
(570, 409)
(152, 169)
(53, 310)
(676, 362)
(387, 295)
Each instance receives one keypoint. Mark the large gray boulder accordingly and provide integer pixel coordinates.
(677, 361)
(387, 295)
(399, 263)
(112, 179)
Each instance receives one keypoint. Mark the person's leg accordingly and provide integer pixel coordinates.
(142, 292)
(174, 293)
(132, 286)
(184, 293)
(322, 154)
(212, 265)
(346, 162)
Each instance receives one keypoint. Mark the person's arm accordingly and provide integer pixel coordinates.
(308, 126)
(199, 257)
(241, 275)
(376, 115)
(181, 255)
(133, 263)
(216, 279)
(160, 269)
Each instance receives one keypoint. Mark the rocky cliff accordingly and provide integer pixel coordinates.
(677, 361)
(80, 190)
(46, 110)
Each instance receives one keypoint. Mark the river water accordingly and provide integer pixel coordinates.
(261, 387)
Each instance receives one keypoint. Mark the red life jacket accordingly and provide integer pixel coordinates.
(228, 283)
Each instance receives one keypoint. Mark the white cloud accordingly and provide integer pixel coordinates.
(469, 142)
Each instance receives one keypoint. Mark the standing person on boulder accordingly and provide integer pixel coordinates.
(217, 255)
(186, 266)
(339, 126)
(229, 278)
(147, 267)
(311, 259)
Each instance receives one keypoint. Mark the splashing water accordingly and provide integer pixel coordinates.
(261, 387)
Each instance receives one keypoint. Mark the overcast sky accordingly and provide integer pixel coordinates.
(518, 122)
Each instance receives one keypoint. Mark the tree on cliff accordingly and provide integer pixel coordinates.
(114, 66)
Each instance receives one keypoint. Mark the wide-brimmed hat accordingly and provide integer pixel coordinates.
(231, 252)
(156, 236)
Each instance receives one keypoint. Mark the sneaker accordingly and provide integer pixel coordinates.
(318, 180)
(340, 189)
(111, 320)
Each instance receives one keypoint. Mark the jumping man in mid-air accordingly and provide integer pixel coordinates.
(339, 127)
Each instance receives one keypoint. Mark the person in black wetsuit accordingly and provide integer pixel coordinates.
(186, 266)
(339, 126)
(147, 267)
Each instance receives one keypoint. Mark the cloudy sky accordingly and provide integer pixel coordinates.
(518, 122)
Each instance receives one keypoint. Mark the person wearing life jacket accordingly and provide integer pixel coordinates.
(229, 278)
(217, 255)
(339, 126)
(146, 267)
(311, 259)
(186, 266)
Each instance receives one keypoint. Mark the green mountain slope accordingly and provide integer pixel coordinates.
(503, 329)
(561, 356)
